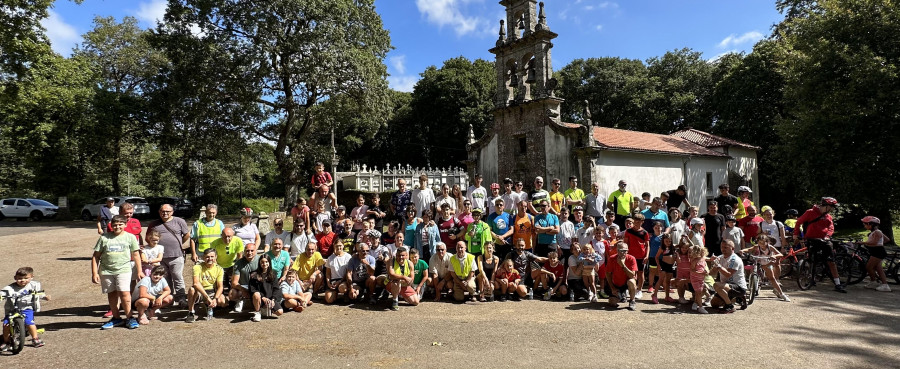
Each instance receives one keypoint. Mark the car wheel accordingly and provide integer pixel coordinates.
(37, 216)
(86, 216)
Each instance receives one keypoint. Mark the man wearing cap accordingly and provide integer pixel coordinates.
(478, 233)
(677, 197)
(174, 232)
(477, 194)
(107, 211)
(537, 195)
(726, 199)
(495, 195)
(574, 195)
(594, 204)
(510, 198)
(622, 203)
(205, 231)
(423, 196)
(715, 225)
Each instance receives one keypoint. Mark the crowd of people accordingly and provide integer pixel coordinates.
(483, 245)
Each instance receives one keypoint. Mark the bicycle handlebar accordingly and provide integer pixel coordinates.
(6, 295)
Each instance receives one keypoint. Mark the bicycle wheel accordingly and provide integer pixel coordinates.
(754, 288)
(804, 275)
(844, 266)
(18, 334)
(787, 267)
(894, 272)
(857, 270)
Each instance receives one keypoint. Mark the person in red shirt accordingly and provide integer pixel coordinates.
(552, 276)
(621, 274)
(637, 239)
(325, 240)
(132, 225)
(750, 224)
(322, 182)
(818, 226)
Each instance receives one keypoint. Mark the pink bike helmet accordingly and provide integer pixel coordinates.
(871, 219)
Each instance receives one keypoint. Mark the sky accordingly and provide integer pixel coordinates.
(427, 32)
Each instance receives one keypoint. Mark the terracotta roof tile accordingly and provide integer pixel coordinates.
(625, 140)
(706, 139)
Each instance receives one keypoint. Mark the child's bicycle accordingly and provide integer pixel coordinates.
(756, 275)
(790, 262)
(16, 318)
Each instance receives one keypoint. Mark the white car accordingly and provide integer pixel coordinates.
(92, 211)
(27, 208)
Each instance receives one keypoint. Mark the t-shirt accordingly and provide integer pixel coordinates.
(546, 220)
(307, 265)
(106, 215)
(115, 252)
(23, 303)
(500, 223)
(619, 278)
(321, 218)
(524, 229)
(556, 201)
(678, 229)
(422, 199)
(298, 243)
(338, 265)
(325, 243)
(566, 233)
(319, 179)
(491, 204)
(655, 243)
(594, 205)
(291, 288)
(283, 260)
(573, 267)
(509, 202)
(537, 196)
(733, 262)
(285, 237)
(379, 222)
(477, 195)
(358, 214)
(132, 226)
(358, 270)
(622, 201)
(399, 202)
(243, 268)
(734, 234)
(714, 224)
(773, 230)
(421, 267)
(722, 201)
(447, 228)
(521, 262)
(439, 265)
(152, 289)
(574, 194)
(171, 242)
(441, 200)
(650, 218)
(559, 270)
(584, 235)
(246, 233)
(751, 226)
(227, 254)
(637, 242)
(152, 252)
(675, 200)
(209, 276)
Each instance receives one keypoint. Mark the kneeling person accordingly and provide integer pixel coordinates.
(292, 295)
(464, 269)
(151, 293)
(207, 287)
(621, 274)
(400, 279)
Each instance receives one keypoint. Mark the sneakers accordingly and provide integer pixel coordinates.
(694, 306)
(631, 305)
(682, 300)
(190, 318)
(785, 298)
(571, 296)
(239, 306)
(592, 297)
(112, 323)
(651, 290)
(5, 347)
(654, 298)
(702, 310)
(530, 294)
(883, 288)
(502, 298)
(256, 316)
(132, 323)
(840, 288)
(546, 296)
(395, 305)
(728, 309)
(638, 295)
(108, 314)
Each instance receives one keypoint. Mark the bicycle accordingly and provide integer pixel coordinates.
(16, 318)
(811, 270)
(891, 265)
(855, 267)
(791, 260)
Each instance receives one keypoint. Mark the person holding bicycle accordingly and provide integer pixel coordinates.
(23, 285)
(767, 256)
(875, 244)
(818, 226)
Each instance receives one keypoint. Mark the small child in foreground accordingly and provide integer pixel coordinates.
(23, 285)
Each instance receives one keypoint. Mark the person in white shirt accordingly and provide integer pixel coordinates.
(510, 198)
(476, 194)
(278, 232)
(495, 194)
(422, 196)
(444, 198)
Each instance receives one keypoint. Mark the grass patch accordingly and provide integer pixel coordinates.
(861, 233)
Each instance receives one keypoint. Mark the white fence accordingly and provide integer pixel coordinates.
(381, 180)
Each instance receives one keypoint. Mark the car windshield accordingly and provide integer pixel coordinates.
(136, 200)
(39, 202)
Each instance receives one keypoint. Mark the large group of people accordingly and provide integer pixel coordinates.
(484, 245)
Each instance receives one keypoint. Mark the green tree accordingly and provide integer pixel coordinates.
(683, 83)
(617, 90)
(841, 66)
(23, 38)
(289, 56)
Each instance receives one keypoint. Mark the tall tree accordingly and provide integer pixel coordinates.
(684, 83)
(288, 56)
(617, 91)
(841, 66)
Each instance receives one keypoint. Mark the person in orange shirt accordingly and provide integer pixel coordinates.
(524, 225)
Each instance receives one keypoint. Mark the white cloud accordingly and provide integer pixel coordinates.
(399, 63)
(63, 36)
(402, 83)
(151, 12)
(720, 55)
(608, 4)
(734, 40)
(599, 27)
(450, 13)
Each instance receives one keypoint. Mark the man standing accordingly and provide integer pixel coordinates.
(677, 197)
(557, 198)
(574, 195)
(594, 204)
(523, 226)
(818, 226)
(107, 211)
(400, 200)
(537, 195)
(501, 228)
(653, 214)
(622, 203)
(205, 231)
(464, 269)
(174, 232)
(715, 225)
(510, 198)
(476, 194)
(726, 199)
(422, 196)
(751, 225)
(546, 226)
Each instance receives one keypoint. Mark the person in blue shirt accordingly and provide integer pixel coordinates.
(653, 214)
(547, 227)
(500, 222)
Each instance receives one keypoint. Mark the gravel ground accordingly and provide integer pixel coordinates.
(820, 329)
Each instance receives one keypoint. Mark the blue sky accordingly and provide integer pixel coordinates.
(427, 32)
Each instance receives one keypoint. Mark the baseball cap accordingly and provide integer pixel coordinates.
(495, 185)
(577, 208)
(246, 212)
(696, 221)
(477, 211)
(110, 199)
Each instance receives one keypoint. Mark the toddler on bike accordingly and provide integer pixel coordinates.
(765, 249)
(23, 285)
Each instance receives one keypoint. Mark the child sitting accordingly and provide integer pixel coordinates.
(322, 182)
(293, 297)
(507, 280)
(152, 293)
(768, 262)
(23, 285)
(683, 268)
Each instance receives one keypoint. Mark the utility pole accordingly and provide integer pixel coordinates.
(334, 164)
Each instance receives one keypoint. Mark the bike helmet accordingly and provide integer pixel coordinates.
(791, 212)
(871, 219)
(829, 201)
(730, 217)
(744, 189)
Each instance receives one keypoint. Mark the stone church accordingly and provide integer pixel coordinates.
(528, 139)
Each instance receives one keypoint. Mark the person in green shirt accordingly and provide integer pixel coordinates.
(421, 279)
(478, 233)
(228, 249)
(574, 195)
(111, 268)
(622, 203)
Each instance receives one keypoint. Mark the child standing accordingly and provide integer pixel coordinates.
(733, 233)
(695, 234)
(655, 243)
(665, 258)
(151, 252)
(699, 271)
(24, 284)
(683, 268)
(111, 268)
(300, 212)
(152, 293)
(638, 240)
(589, 261)
(875, 244)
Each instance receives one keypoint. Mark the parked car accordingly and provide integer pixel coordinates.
(35, 209)
(92, 211)
(183, 207)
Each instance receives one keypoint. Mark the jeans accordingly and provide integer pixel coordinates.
(175, 275)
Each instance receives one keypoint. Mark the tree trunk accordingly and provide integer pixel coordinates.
(887, 225)
(116, 167)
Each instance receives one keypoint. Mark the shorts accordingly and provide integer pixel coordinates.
(198, 298)
(735, 290)
(589, 272)
(407, 292)
(683, 274)
(337, 281)
(877, 252)
(823, 248)
(115, 283)
(697, 285)
(29, 317)
(652, 263)
(666, 267)
(641, 266)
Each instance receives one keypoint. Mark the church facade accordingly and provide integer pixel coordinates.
(528, 138)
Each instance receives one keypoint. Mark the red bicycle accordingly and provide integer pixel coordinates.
(790, 262)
